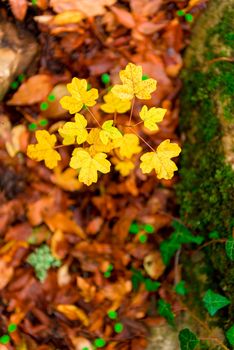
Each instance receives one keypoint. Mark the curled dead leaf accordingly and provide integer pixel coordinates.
(87, 290)
(73, 313)
(154, 265)
(6, 273)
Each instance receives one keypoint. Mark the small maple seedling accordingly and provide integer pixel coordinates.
(109, 142)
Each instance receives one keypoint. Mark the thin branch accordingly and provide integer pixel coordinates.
(217, 59)
(221, 240)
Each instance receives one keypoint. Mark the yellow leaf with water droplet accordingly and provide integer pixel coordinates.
(128, 145)
(152, 116)
(89, 165)
(109, 132)
(160, 160)
(114, 104)
(44, 149)
(79, 96)
(133, 85)
(74, 131)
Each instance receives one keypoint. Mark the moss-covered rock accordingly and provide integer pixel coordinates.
(206, 190)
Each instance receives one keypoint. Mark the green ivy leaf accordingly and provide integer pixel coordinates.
(188, 340)
(164, 310)
(151, 286)
(213, 302)
(168, 249)
(183, 235)
(230, 335)
(134, 228)
(180, 288)
(137, 278)
(229, 247)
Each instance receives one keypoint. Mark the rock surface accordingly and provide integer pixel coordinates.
(17, 50)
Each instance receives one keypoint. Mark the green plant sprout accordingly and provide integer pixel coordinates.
(42, 260)
(105, 78)
(5, 339)
(107, 273)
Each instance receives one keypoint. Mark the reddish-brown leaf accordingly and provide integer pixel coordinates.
(19, 8)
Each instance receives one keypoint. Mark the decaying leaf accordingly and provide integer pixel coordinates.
(19, 8)
(34, 90)
(154, 265)
(73, 313)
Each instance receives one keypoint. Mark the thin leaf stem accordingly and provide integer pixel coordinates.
(142, 139)
(131, 113)
(93, 117)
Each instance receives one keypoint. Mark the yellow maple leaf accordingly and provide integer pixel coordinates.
(43, 150)
(72, 131)
(88, 165)
(161, 160)
(128, 145)
(152, 116)
(123, 166)
(79, 96)
(133, 85)
(114, 104)
(109, 132)
(96, 144)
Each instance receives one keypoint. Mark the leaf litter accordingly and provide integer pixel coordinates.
(104, 288)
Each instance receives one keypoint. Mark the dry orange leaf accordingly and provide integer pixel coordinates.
(67, 179)
(65, 223)
(34, 90)
(67, 17)
(6, 273)
(19, 8)
(87, 7)
(87, 290)
(73, 313)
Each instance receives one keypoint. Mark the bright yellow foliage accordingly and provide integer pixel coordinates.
(128, 145)
(96, 143)
(44, 149)
(89, 166)
(133, 85)
(160, 160)
(74, 131)
(109, 132)
(114, 104)
(79, 96)
(124, 167)
(152, 116)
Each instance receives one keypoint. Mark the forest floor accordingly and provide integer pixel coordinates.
(70, 254)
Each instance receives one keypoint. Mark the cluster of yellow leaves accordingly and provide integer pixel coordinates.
(108, 138)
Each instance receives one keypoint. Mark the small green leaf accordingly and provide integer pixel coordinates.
(44, 106)
(51, 98)
(21, 77)
(12, 327)
(151, 286)
(149, 228)
(118, 327)
(4, 339)
(43, 122)
(183, 235)
(112, 314)
(143, 238)
(99, 342)
(14, 85)
(105, 78)
(214, 235)
(168, 249)
(213, 302)
(137, 278)
(107, 274)
(145, 77)
(180, 288)
(134, 228)
(230, 335)
(32, 126)
(188, 17)
(164, 310)
(229, 247)
(188, 340)
(180, 13)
